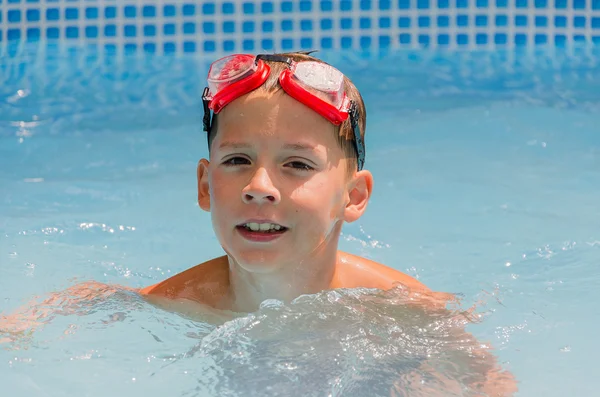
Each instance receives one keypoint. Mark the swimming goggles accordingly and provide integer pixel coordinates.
(316, 85)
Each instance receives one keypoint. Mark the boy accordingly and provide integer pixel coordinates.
(285, 172)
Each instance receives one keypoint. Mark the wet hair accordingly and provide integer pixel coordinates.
(344, 131)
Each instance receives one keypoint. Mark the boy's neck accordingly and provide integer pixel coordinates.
(248, 290)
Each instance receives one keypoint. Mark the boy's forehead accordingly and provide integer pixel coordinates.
(275, 116)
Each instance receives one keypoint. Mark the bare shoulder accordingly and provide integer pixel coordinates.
(210, 276)
(356, 271)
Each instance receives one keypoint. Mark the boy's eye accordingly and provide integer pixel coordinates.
(236, 161)
(299, 165)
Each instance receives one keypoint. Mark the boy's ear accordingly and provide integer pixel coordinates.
(360, 188)
(203, 187)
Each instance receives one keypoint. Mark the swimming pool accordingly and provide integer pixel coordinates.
(487, 184)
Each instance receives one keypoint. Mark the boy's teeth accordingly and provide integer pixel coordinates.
(263, 227)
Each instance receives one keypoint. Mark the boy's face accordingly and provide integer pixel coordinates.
(275, 161)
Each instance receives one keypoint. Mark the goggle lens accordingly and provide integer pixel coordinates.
(228, 70)
(322, 80)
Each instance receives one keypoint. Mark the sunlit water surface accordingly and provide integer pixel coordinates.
(487, 185)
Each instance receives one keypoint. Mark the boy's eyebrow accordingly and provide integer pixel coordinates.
(234, 145)
(299, 146)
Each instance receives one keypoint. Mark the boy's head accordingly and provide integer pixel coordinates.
(344, 132)
(282, 178)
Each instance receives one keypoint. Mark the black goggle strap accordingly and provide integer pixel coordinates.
(207, 119)
(359, 144)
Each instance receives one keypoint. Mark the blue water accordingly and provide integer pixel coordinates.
(487, 184)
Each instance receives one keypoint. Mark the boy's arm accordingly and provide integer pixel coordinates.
(27, 318)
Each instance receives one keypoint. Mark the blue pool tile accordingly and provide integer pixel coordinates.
(71, 13)
(443, 39)
(462, 39)
(404, 38)
(346, 5)
(326, 43)
(462, 20)
(149, 30)
(305, 6)
(228, 8)
(169, 29)
(267, 44)
(560, 21)
(365, 5)
(443, 21)
(52, 33)
(384, 5)
(228, 27)
(129, 30)
(520, 39)
(190, 9)
(541, 39)
(248, 8)
(423, 22)
(91, 13)
(248, 45)
(326, 24)
(346, 42)
(32, 15)
(229, 45)
(306, 25)
(287, 44)
(481, 20)
(423, 4)
(423, 40)
(247, 27)
(481, 38)
(500, 38)
(149, 47)
(267, 26)
(52, 14)
(579, 22)
(346, 23)
(404, 22)
(110, 12)
(287, 25)
(33, 34)
(541, 21)
(384, 22)
(287, 6)
(110, 30)
(482, 3)
(169, 11)
(72, 32)
(443, 3)
(190, 46)
(365, 23)
(210, 28)
(306, 43)
(326, 5)
(541, 3)
(207, 9)
(596, 22)
(91, 32)
(384, 41)
(13, 16)
(579, 4)
(364, 42)
(189, 28)
(169, 47)
(266, 7)
(501, 20)
(521, 20)
(149, 11)
(129, 11)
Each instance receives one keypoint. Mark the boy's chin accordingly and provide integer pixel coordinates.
(260, 262)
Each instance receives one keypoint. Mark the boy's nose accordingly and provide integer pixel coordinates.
(260, 189)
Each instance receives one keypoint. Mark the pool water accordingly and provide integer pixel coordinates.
(487, 184)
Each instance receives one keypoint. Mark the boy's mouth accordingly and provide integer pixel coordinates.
(265, 227)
